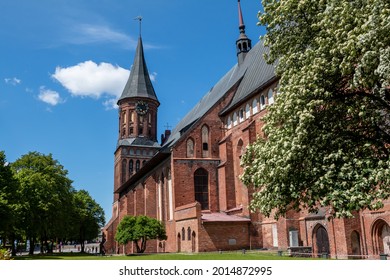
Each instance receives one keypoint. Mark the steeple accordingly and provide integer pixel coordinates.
(139, 83)
(243, 43)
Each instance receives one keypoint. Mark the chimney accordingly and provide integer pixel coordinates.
(165, 136)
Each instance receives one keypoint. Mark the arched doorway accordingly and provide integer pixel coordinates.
(381, 237)
(321, 240)
(355, 244)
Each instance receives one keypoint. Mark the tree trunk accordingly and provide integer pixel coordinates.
(32, 246)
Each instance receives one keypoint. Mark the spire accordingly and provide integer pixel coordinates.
(243, 43)
(139, 83)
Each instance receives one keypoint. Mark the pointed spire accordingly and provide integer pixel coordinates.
(243, 43)
(139, 83)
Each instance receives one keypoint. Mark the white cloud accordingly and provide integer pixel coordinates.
(111, 104)
(88, 79)
(88, 34)
(12, 81)
(49, 96)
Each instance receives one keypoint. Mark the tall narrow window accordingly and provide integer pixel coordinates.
(254, 106)
(270, 97)
(188, 233)
(183, 234)
(131, 167)
(137, 165)
(205, 141)
(262, 102)
(229, 122)
(201, 183)
(123, 175)
(235, 118)
(190, 148)
(247, 111)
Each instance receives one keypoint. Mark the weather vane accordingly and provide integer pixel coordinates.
(140, 23)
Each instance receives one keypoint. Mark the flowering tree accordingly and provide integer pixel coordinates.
(328, 134)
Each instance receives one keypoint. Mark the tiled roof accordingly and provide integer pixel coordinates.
(139, 83)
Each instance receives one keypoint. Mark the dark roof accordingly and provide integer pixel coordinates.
(257, 75)
(138, 141)
(139, 83)
(252, 74)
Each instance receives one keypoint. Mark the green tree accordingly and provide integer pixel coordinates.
(8, 201)
(45, 196)
(327, 135)
(139, 229)
(87, 218)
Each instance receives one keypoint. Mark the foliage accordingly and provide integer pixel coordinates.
(5, 254)
(8, 197)
(87, 218)
(328, 133)
(139, 229)
(45, 196)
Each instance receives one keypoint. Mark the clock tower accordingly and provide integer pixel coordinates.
(137, 133)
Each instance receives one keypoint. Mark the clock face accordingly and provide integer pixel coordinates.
(141, 107)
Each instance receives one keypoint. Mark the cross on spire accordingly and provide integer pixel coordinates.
(167, 126)
(139, 18)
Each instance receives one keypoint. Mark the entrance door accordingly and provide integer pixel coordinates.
(322, 241)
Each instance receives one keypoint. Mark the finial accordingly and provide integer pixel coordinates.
(240, 17)
(139, 18)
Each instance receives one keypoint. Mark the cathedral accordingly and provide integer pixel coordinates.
(190, 179)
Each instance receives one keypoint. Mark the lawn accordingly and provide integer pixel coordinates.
(237, 255)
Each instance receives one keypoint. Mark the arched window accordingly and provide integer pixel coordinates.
(205, 141)
(123, 175)
(270, 97)
(262, 102)
(190, 148)
(229, 122)
(247, 111)
(235, 118)
(131, 167)
(188, 233)
(241, 114)
(255, 109)
(183, 234)
(201, 183)
(137, 165)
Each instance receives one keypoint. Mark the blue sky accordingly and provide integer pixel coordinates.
(63, 64)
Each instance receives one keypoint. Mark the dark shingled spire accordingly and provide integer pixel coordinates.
(243, 43)
(139, 83)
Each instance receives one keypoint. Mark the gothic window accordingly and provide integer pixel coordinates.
(131, 167)
(229, 122)
(205, 141)
(234, 118)
(262, 102)
(241, 112)
(123, 175)
(190, 148)
(201, 183)
(247, 111)
(131, 116)
(137, 165)
(188, 233)
(124, 119)
(183, 234)
(255, 109)
(270, 97)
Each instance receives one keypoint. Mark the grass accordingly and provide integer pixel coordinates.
(237, 255)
